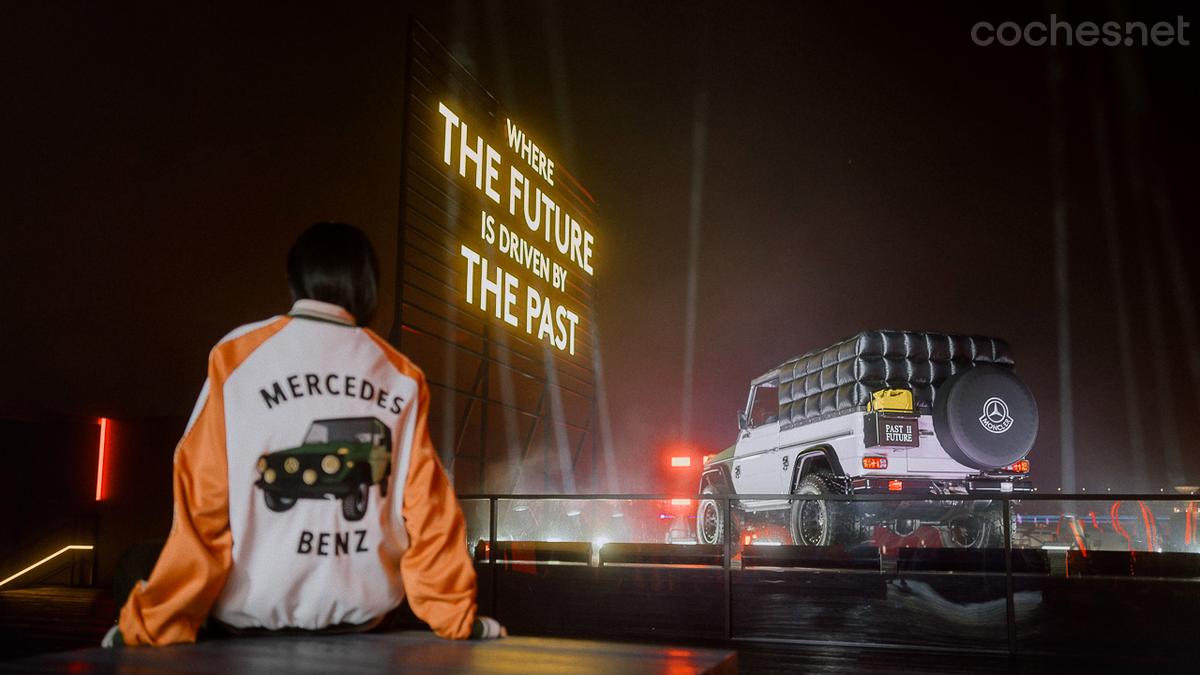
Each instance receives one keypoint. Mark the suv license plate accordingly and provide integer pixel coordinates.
(894, 431)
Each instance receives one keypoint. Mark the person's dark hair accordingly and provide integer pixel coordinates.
(335, 262)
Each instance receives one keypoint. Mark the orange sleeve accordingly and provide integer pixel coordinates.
(196, 559)
(192, 567)
(439, 577)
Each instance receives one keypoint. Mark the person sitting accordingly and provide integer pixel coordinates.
(259, 540)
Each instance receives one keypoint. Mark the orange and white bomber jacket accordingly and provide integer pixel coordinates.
(275, 523)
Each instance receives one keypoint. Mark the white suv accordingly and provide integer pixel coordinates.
(880, 412)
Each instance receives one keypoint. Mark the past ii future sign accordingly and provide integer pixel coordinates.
(497, 264)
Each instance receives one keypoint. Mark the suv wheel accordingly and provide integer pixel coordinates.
(979, 528)
(710, 520)
(354, 504)
(277, 502)
(905, 527)
(819, 522)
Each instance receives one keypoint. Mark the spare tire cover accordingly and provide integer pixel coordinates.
(985, 417)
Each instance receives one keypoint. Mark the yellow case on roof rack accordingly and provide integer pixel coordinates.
(891, 400)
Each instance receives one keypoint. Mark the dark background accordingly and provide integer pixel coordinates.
(855, 167)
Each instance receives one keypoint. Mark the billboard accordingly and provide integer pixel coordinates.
(496, 265)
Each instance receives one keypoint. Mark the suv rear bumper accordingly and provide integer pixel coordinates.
(928, 486)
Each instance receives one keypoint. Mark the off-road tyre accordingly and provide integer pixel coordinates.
(710, 520)
(277, 502)
(975, 528)
(354, 504)
(816, 522)
(985, 417)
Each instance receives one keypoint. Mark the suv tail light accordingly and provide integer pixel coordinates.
(1020, 466)
(895, 485)
(874, 462)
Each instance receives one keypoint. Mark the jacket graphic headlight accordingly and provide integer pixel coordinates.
(261, 465)
(330, 464)
(269, 475)
(309, 476)
(291, 465)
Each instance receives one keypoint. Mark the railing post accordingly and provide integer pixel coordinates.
(727, 562)
(1011, 613)
(492, 554)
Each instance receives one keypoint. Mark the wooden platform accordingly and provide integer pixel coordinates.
(52, 618)
(409, 652)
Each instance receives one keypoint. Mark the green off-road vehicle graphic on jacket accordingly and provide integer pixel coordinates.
(339, 458)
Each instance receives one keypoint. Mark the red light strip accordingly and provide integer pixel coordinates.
(1151, 526)
(100, 459)
(1190, 522)
(1115, 515)
(1075, 530)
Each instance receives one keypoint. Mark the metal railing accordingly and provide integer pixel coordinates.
(1022, 515)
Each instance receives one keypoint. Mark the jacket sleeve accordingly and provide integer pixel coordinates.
(439, 577)
(196, 559)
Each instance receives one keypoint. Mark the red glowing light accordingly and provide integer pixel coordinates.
(1114, 513)
(1020, 466)
(1076, 530)
(100, 459)
(895, 485)
(1151, 526)
(681, 460)
(874, 462)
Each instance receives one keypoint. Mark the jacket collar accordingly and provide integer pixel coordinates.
(322, 311)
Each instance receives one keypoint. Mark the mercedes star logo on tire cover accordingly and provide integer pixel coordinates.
(995, 416)
(985, 417)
